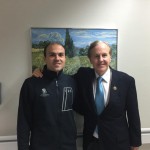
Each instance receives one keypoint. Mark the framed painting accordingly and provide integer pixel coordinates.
(76, 42)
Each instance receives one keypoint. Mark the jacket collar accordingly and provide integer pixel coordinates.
(51, 74)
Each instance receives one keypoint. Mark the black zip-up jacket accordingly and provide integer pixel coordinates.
(45, 115)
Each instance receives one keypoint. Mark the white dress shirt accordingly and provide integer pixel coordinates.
(106, 84)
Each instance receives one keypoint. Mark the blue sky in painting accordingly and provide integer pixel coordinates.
(81, 37)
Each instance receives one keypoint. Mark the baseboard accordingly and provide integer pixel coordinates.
(145, 135)
(10, 138)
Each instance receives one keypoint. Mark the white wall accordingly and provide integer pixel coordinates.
(130, 17)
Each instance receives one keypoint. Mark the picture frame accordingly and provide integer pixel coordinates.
(76, 42)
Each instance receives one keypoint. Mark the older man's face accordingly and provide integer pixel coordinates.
(100, 58)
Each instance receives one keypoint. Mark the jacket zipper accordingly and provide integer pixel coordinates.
(57, 84)
(59, 115)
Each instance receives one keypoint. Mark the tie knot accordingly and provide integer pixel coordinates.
(99, 79)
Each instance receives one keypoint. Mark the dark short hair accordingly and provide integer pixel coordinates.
(50, 44)
(94, 44)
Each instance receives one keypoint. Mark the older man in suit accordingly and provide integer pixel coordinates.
(117, 126)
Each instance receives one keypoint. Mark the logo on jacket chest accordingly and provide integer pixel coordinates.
(44, 93)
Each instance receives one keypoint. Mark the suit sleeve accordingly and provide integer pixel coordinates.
(133, 115)
(78, 105)
(24, 120)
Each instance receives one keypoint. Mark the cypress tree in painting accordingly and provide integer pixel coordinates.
(69, 46)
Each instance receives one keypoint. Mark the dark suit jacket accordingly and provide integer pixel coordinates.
(119, 123)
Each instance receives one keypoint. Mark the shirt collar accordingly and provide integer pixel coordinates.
(105, 76)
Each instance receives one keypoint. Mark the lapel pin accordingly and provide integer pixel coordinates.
(115, 88)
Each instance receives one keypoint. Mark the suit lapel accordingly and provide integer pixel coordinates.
(114, 88)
